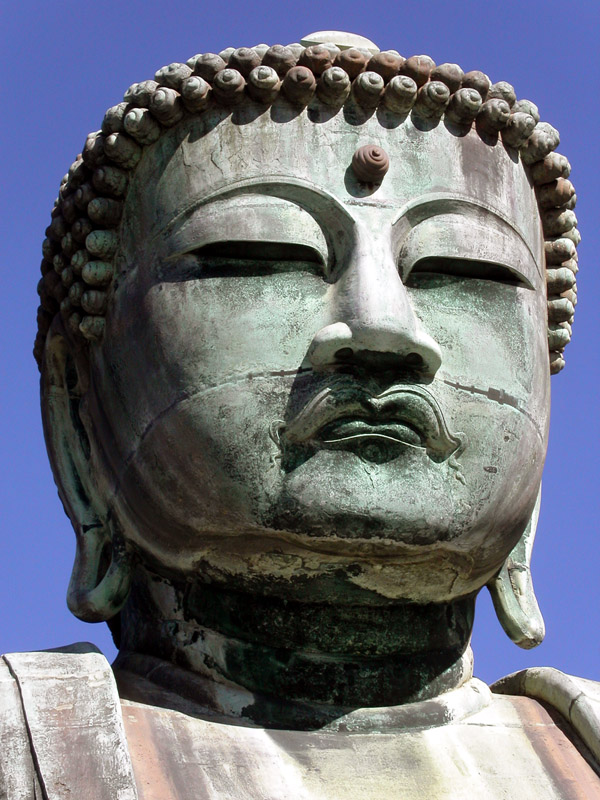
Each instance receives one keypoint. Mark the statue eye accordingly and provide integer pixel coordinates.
(237, 258)
(466, 268)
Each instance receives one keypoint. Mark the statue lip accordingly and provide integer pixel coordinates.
(405, 413)
(348, 429)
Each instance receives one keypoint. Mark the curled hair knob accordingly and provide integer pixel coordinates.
(503, 91)
(139, 94)
(493, 116)
(141, 125)
(172, 75)
(206, 65)
(263, 84)
(556, 194)
(194, 93)
(464, 106)
(69, 209)
(102, 243)
(226, 54)
(97, 273)
(93, 149)
(432, 100)
(75, 293)
(317, 58)
(368, 89)
(518, 129)
(527, 107)
(244, 59)
(299, 85)
(542, 141)
(122, 150)
(165, 105)
(68, 244)
(552, 166)
(400, 94)
(419, 68)
(81, 228)
(113, 119)
(260, 49)
(78, 173)
(104, 211)
(450, 74)
(334, 86)
(110, 180)
(228, 86)
(79, 260)
(280, 58)
(385, 64)
(83, 196)
(477, 80)
(352, 61)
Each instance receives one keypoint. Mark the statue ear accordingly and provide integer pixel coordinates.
(512, 590)
(101, 575)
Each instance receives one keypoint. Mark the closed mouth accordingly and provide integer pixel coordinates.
(346, 414)
(348, 429)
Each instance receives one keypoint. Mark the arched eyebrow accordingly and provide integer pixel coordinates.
(308, 195)
(428, 207)
(434, 204)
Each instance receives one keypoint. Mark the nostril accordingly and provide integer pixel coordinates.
(344, 354)
(414, 360)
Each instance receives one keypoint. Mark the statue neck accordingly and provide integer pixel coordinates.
(303, 662)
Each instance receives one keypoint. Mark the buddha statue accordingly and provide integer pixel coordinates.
(299, 310)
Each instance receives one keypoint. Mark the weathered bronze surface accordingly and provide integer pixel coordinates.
(296, 312)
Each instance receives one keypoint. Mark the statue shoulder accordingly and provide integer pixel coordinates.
(62, 711)
(577, 699)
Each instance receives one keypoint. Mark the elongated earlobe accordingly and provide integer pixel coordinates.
(96, 595)
(101, 575)
(512, 591)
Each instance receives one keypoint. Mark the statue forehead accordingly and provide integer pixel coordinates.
(208, 154)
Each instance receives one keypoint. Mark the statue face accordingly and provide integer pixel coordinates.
(303, 375)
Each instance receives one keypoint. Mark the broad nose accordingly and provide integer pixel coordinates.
(375, 324)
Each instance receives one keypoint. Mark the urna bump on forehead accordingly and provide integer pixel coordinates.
(83, 236)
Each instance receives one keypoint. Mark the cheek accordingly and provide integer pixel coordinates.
(491, 334)
(203, 467)
(168, 340)
(191, 376)
(213, 329)
(494, 384)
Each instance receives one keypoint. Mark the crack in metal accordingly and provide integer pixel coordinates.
(497, 395)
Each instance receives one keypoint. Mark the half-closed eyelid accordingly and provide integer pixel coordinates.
(261, 251)
(470, 268)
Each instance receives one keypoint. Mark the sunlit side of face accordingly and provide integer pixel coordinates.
(261, 287)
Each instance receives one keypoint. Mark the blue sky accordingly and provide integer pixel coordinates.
(65, 62)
